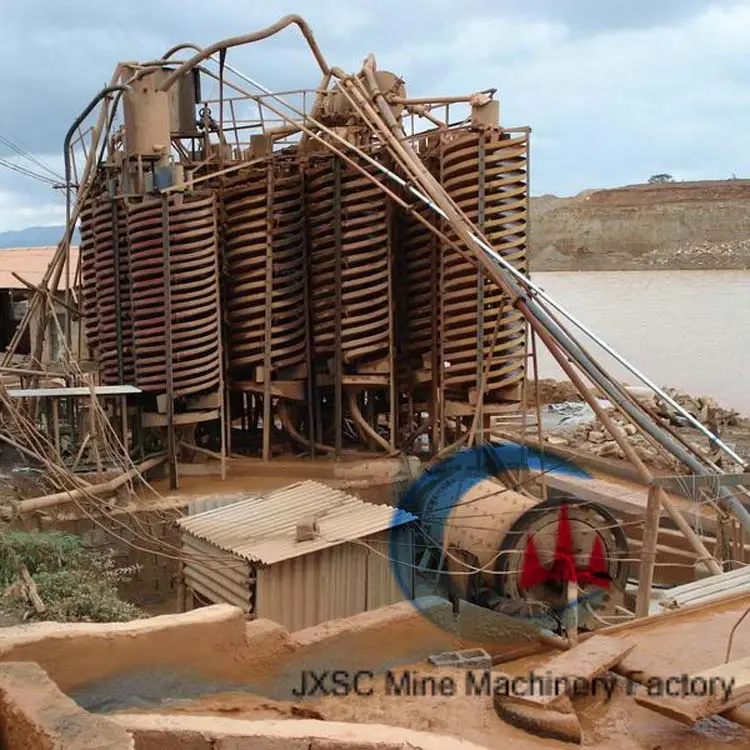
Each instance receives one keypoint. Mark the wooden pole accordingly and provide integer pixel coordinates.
(49, 501)
(648, 552)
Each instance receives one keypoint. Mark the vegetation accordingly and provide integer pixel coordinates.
(74, 583)
(657, 178)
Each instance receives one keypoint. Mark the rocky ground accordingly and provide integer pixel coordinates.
(676, 226)
(570, 423)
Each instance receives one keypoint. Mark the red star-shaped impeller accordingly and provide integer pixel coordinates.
(563, 568)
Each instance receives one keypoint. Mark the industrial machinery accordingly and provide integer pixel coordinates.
(343, 270)
(246, 271)
(489, 538)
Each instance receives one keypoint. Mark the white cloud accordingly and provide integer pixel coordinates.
(611, 107)
(611, 96)
(18, 212)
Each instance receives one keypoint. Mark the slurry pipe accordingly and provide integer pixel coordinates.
(518, 275)
(66, 156)
(549, 326)
(237, 41)
(557, 333)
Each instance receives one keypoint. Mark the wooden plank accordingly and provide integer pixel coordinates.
(292, 389)
(706, 589)
(667, 537)
(673, 567)
(691, 483)
(701, 695)
(457, 409)
(355, 380)
(99, 390)
(632, 500)
(589, 659)
(152, 419)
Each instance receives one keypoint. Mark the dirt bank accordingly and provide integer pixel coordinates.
(677, 226)
(669, 644)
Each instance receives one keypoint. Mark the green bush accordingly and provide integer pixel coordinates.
(39, 551)
(75, 584)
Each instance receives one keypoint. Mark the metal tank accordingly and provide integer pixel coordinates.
(508, 550)
(148, 114)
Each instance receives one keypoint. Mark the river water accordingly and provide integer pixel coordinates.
(687, 329)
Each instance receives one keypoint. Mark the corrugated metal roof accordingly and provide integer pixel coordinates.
(262, 529)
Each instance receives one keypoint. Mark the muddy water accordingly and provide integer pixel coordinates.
(687, 329)
(608, 724)
(689, 643)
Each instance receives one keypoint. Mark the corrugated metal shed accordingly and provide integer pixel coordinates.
(204, 504)
(262, 529)
(246, 554)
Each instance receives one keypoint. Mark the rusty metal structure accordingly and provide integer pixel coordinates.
(244, 271)
(333, 271)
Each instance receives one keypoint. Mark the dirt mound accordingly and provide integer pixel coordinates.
(677, 225)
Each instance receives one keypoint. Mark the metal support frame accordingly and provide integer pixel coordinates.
(338, 266)
(393, 388)
(171, 442)
(268, 312)
(480, 376)
(312, 385)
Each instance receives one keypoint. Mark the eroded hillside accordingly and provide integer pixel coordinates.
(682, 225)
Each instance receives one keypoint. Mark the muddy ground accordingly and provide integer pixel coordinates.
(614, 723)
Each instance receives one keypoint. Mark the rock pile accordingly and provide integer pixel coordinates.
(734, 254)
(591, 437)
(704, 408)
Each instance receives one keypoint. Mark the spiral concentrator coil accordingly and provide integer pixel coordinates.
(485, 174)
(350, 248)
(181, 275)
(265, 266)
(114, 318)
(418, 283)
(88, 277)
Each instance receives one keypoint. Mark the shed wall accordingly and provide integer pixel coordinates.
(217, 575)
(335, 582)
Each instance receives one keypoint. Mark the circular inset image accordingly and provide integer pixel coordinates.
(488, 557)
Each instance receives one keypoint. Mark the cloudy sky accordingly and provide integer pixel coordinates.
(614, 91)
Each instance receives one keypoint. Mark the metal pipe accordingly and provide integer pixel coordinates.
(437, 100)
(366, 427)
(255, 36)
(178, 47)
(534, 313)
(67, 236)
(533, 308)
